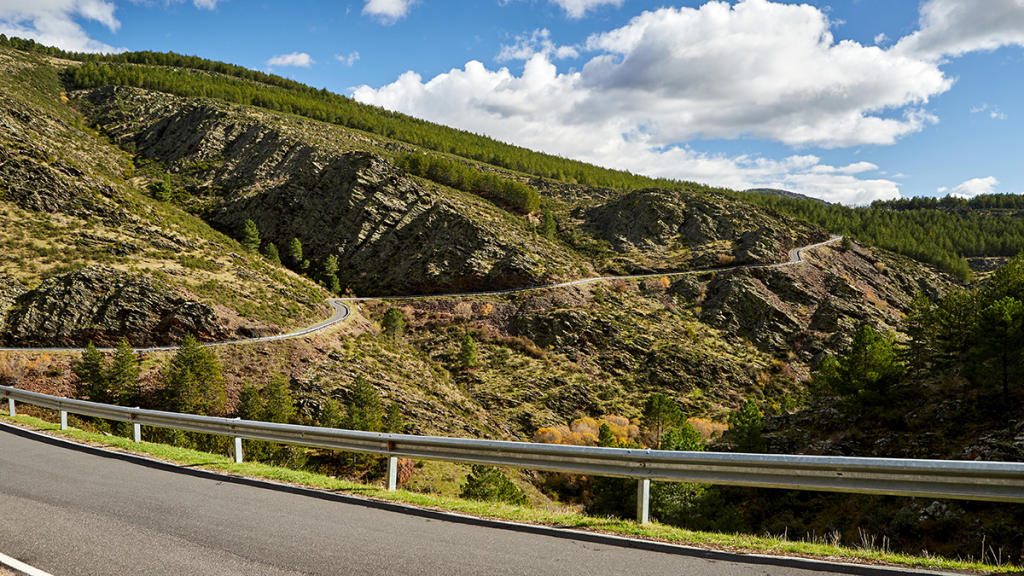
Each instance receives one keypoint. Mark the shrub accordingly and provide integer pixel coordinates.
(492, 485)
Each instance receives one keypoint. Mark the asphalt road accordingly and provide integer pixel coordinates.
(84, 511)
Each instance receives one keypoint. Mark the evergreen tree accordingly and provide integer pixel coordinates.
(278, 404)
(605, 436)
(394, 324)
(685, 438)
(1001, 336)
(194, 383)
(123, 376)
(295, 254)
(660, 413)
(547, 225)
(870, 368)
(745, 427)
(468, 352)
(394, 422)
(363, 407)
(270, 253)
(332, 414)
(250, 238)
(92, 378)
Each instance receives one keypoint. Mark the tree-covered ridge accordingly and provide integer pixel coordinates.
(939, 231)
(192, 76)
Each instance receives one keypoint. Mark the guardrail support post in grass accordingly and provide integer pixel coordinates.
(392, 473)
(643, 501)
(10, 407)
(137, 432)
(63, 419)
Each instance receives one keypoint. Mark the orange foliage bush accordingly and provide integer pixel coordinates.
(708, 429)
(584, 431)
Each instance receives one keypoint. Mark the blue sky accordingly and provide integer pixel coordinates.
(850, 100)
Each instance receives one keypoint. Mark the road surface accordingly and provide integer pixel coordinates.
(84, 511)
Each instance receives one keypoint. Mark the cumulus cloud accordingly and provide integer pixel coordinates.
(53, 22)
(973, 187)
(955, 27)
(298, 59)
(539, 41)
(721, 71)
(579, 8)
(387, 11)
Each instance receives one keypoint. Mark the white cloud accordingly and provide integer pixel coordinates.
(53, 22)
(579, 8)
(532, 109)
(992, 111)
(348, 60)
(881, 38)
(299, 59)
(973, 187)
(205, 4)
(955, 27)
(387, 11)
(537, 42)
(721, 71)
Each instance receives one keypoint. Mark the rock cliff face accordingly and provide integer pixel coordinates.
(811, 309)
(678, 228)
(103, 305)
(391, 233)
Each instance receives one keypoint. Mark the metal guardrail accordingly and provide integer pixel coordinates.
(966, 480)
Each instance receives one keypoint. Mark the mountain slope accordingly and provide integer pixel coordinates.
(68, 203)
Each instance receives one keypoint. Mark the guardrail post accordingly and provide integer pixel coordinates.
(10, 407)
(136, 429)
(392, 473)
(238, 448)
(643, 500)
(63, 419)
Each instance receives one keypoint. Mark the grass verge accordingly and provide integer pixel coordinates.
(738, 543)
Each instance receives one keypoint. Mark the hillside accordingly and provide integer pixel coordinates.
(89, 257)
(127, 183)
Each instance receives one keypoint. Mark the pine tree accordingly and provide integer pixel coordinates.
(278, 405)
(123, 376)
(92, 379)
(270, 253)
(605, 436)
(394, 422)
(661, 413)
(745, 427)
(547, 225)
(295, 254)
(467, 352)
(194, 383)
(250, 237)
(363, 407)
(394, 324)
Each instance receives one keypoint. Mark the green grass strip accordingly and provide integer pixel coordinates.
(653, 531)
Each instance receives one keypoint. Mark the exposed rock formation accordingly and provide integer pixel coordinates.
(102, 305)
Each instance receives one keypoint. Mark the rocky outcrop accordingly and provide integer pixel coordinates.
(102, 305)
(391, 233)
(811, 308)
(715, 229)
(10, 289)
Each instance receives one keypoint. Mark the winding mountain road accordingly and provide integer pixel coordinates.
(342, 310)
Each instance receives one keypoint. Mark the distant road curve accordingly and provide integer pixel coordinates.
(343, 311)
